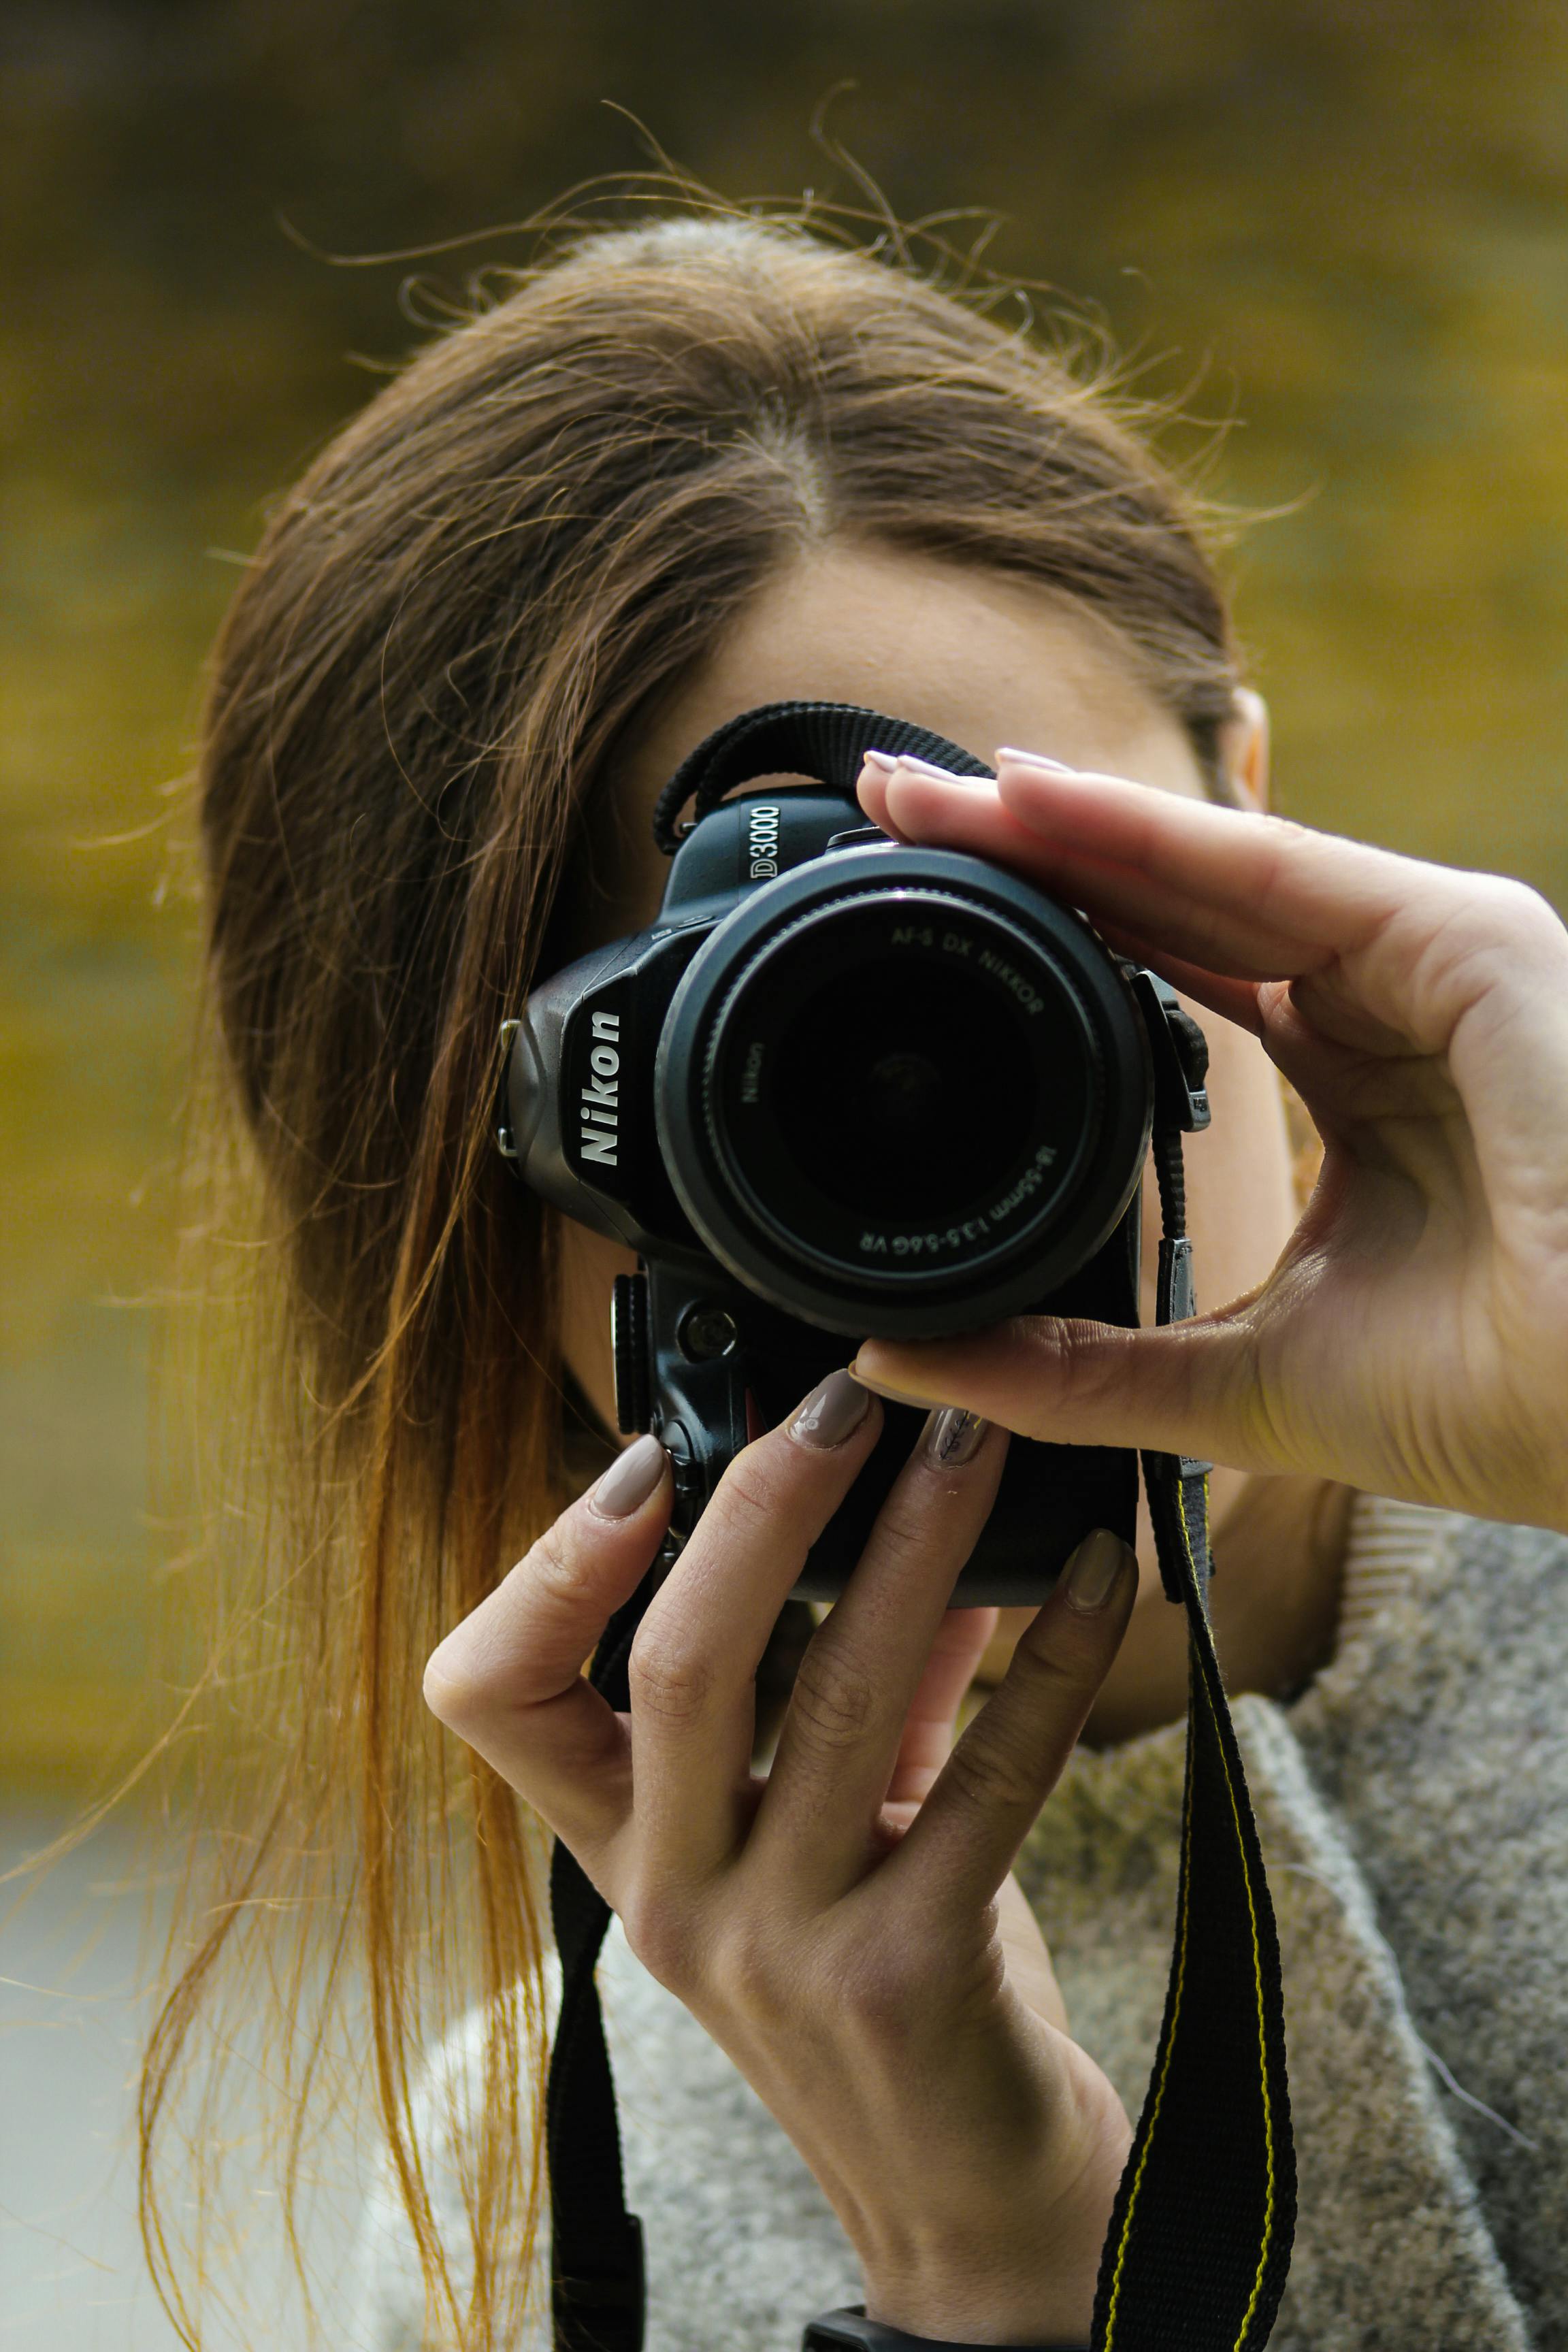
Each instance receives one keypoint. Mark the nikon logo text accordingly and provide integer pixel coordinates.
(601, 1111)
(763, 841)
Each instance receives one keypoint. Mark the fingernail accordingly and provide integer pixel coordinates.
(952, 1437)
(1033, 759)
(924, 768)
(894, 1396)
(831, 1411)
(884, 761)
(1096, 1569)
(630, 1480)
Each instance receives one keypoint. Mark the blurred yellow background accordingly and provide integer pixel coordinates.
(1342, 225)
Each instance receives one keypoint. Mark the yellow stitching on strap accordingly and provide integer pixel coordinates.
(1257, 1984)
(1176, 2017)
(1176, 2005)
(1165, 2070)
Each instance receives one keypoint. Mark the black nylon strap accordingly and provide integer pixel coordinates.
(1199, 2244)
(827, 740)
(595, 2246)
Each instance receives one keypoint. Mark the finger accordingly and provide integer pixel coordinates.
(961, 1641)
(509, 1679)
(858, 1682)
(1230, 890)
(1321, 1056)
(1386, 955)
(694, 1661)
(1182, 1388)
(962, 1843)
(873, 790)
(1238, 1000)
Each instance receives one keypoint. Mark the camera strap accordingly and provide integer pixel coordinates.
(595, 2246)
(1199, 2244)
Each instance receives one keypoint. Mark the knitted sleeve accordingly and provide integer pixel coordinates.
(742, 2246)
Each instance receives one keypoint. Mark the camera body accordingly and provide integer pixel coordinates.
(845, 1087)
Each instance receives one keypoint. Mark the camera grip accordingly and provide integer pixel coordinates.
(721, 1366)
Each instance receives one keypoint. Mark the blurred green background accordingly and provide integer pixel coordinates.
(1344, 223)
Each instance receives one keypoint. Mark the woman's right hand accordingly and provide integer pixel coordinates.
(835, 1927)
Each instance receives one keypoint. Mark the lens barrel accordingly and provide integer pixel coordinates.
(899, 1092)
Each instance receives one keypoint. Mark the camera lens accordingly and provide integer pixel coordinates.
(899, 1080)
(888, 1089)
(899, 1091)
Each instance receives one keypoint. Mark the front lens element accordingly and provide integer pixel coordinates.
(888, 1087)
(901, 1081)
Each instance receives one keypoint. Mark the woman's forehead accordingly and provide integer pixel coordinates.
(981, 654)
(977, 656)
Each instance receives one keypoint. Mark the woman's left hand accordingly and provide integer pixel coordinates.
(1413, 1338)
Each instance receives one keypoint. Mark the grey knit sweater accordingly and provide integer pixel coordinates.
(1414, 1812)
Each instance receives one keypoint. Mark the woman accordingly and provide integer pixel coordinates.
(688, 469)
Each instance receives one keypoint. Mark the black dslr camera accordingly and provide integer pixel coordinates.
(842, 1089)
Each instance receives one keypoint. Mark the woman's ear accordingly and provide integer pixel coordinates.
(1243, 749)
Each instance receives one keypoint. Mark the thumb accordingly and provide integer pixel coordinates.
(1185, 1388)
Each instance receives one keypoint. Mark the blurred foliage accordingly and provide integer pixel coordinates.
(1341, 225)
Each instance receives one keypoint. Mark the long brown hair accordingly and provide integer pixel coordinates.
(546, 518)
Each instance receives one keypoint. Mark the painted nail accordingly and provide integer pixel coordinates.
(952, 1436)
(1096, 1569)
(894, 1396)
(832, 1412)
(1033, 759)
(885, 762)
(924, 768)
(630, 1480)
